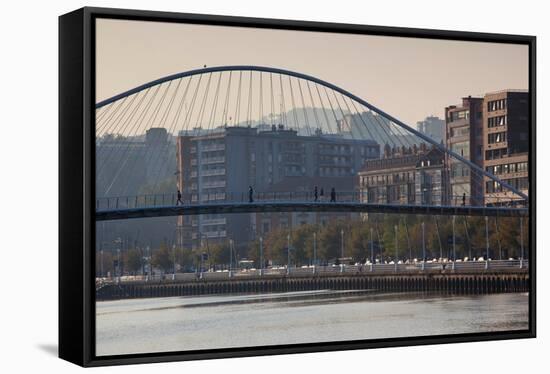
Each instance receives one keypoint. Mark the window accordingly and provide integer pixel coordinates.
(494, 154)
(460, 131)
(496, 121)
(462, 148)
(496, 105)
(521, 167)
(493, 186)
(459, 170)
(497, 137)
(463, 114)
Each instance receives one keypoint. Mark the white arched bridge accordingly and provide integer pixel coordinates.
(142, 135)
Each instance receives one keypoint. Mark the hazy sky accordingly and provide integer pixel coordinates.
(406, 77)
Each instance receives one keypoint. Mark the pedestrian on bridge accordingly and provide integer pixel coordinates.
(179, 201)
(250, 194)
(322, 193)
(316, 194)
(332, 195)
(464, 199)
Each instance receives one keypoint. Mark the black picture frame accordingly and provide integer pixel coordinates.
(77, 196)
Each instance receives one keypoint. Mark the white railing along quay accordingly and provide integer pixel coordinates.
(308, 271)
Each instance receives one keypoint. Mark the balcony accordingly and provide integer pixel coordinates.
(218, 184)
(212, 160)
(211, 234)
(213, 147)
(213, 196)
(214, 221)
(209, 173)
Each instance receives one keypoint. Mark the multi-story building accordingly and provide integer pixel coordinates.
(222, 164)
(130, 165)
(506, 144)
(493, 133)
(303, 188)
(414, 175)
(432, 126)
(464, 136)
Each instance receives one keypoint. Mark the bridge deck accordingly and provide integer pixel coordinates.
(293, 206)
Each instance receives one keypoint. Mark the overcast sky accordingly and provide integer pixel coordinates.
(406, 77)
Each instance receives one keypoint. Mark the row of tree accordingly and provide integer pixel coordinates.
(375, 239)
(370, 239)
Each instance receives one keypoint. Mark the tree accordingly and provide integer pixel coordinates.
(302, 244)
(185, 258)
(275, 246)
(163, 258)
(134, 260)
(219, 253)
(330, 240)
(359, 240)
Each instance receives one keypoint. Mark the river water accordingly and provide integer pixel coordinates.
(227, 321)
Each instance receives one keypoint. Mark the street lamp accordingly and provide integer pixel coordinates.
(119, 249)
(423, 245)
(342, 242)
(521, 241)
(149, 256)
(101, 256)
(230, 256)
(174, 261)
(454, 243)
(395, 260)
(487, 241)
(314, 250)
(118, 265)
(371, 251)
(261, 255)
(288, 254)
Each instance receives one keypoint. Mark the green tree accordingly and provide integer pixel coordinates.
(359, 240)
(185, 258)
(134, 261)
(302, 244)
(163, 258)
(275, 246)
(330, 241)
(219, 253)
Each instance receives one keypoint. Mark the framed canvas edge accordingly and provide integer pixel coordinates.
(77, 336)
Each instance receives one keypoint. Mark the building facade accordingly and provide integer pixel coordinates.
(506, 144)
(132, 165)
(464, 136)
(433, 127)
(493, 132)
(221, 165)
(414, 175)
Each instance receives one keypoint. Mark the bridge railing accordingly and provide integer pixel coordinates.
(384, 268)
(171, 199)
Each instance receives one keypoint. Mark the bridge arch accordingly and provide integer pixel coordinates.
(402, 128)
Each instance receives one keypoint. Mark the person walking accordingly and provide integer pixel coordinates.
(179, 201)
(332, 195)
(322, 193)
(250, 194)
(464, 199)
(316, 194)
